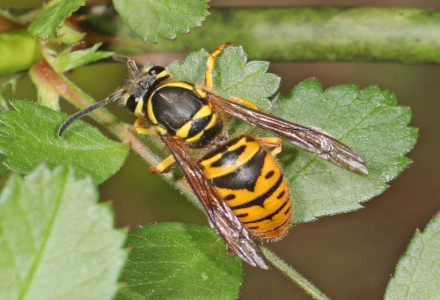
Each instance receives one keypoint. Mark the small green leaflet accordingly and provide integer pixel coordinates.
(48, 93)
(53, 16)
(165, 18)
(179, 261)
(418, 271)
(233, 75)
(56, 242)
(28, 136)
(192, 69)
(67, 59)
(369, 121)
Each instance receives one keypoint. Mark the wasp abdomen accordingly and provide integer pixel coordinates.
(251, 182)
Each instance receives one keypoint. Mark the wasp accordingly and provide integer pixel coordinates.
(239, 182)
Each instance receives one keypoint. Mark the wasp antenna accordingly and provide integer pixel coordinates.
(131, 64)
(121, 58)
(78, 115)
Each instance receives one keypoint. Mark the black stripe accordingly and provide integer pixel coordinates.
(229, 197)
(246, 176)
(269, 174)
(289, 210)
(281, 194)
(269, 217)
(208, 135)
(274, 229)
(260, 200)
(198, 125)
(229, 158)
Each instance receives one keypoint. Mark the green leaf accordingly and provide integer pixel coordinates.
(179, 261)
(68, 60)
(369, 121)
(164, 18)
(192, 69)
(3, 169)
(233, 75)
(418, 271)
(47, 23)
(56, 242)
(243, 79)
(28, 136)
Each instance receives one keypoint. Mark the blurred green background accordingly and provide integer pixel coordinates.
(350, 256)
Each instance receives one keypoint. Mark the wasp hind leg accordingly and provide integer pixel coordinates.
(210, 64)
(244, 102)
(164, 166)
(269, 142)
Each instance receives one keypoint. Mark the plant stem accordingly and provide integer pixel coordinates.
(292, 274)
(409, 35)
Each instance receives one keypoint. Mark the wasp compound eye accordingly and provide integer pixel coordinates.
(131, 103)
(154, 71)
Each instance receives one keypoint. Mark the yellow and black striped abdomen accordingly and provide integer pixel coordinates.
(251, 182)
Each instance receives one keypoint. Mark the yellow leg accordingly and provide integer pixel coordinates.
(164, 166)
(244, 102)
(269, 142)
(210, 64)
(186, 183)
(141, 128)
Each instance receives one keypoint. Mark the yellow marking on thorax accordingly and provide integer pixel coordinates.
(150, 112)
(196, 137)
(184, 130)
(139, 111)
(181, 84)
(164, 73)
(203, 112)
(212, 122)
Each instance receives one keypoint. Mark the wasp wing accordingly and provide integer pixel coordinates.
(219, 213)
(318, 143)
